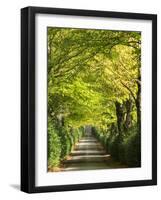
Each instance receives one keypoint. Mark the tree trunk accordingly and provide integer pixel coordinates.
(120, 117)
(128, 120)
(138, 101)
(138, 106)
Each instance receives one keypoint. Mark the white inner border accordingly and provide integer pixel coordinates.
(44, 178)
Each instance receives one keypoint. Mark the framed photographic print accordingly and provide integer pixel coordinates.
(88, 99)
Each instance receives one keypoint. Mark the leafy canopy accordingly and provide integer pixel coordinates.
(88, 71)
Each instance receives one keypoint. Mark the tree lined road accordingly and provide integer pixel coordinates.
(94, 77)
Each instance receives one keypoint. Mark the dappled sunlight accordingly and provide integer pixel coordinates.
(94, 95)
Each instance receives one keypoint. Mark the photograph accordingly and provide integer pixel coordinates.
(89, 99)
(94, 99)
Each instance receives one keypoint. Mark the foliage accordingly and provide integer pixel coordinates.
(126, 149)
(54, 146)
(60, 143)
(94, 79)
(133, 151)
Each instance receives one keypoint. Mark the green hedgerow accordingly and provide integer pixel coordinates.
(133, 151)
(54, 147)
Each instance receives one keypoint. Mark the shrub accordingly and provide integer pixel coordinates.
(76, 135)
(133, 151)
(54, 147)
(125, 148)
(68, 139)
(81, 132)
(60, 142)
(66, 143)
(114, 146)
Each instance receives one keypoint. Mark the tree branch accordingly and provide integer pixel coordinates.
(128, 90)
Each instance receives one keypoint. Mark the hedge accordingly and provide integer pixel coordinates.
(60, 143)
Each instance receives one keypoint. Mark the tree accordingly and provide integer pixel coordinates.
(94, 78)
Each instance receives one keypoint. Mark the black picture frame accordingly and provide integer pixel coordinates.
(28, 98)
